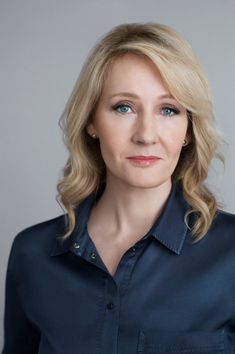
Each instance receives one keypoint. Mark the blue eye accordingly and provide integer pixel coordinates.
(169, 112)
(125, 108)
(122, 108)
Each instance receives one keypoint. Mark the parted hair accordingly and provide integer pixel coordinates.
(174, 58)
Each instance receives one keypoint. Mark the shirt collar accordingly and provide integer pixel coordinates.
(169, 229)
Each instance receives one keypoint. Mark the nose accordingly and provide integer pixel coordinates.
(145, 131)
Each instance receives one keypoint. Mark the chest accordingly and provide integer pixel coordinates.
(155, 294)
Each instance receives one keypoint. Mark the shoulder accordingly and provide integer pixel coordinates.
(37, 239)
(224, 220)
(223, 228)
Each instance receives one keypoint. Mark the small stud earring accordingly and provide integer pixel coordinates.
(94, 136)
(185, 142)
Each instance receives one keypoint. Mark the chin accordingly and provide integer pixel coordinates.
(146, 184)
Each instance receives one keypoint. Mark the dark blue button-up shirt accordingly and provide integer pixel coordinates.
(168, 295)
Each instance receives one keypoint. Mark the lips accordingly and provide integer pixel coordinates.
(143, 160)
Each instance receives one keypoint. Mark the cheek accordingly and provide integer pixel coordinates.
(111, 145)
(174, 138)
(112, 138)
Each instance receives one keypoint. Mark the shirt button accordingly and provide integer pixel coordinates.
(110, 306)
(133, 249)
(76, 245)
(92, 255)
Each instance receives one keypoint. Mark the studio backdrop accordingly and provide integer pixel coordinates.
(43, 46)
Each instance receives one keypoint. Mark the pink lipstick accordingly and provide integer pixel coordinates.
(143, 160)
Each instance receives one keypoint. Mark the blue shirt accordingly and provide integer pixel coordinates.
(168, 295)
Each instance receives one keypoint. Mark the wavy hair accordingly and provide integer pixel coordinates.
(180, 70)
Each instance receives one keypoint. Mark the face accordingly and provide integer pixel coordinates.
(140, 126)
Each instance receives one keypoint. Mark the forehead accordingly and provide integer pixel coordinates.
(132, 72)
(131, 63)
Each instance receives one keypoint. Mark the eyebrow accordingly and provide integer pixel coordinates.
(133, 95)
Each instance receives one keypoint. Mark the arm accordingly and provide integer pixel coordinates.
(20, 335)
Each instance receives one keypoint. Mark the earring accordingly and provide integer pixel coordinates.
(185, 142)
(94, 136)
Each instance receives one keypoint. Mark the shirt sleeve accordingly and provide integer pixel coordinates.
(20, 335)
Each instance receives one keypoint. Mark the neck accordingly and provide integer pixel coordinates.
(126, 210)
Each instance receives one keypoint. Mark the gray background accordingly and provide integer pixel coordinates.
(43, 45)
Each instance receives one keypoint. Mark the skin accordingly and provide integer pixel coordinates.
(148, 125)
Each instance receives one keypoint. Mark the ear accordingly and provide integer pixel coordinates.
(90, 129)
(188, 137)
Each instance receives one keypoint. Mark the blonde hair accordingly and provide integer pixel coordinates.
(184, 77)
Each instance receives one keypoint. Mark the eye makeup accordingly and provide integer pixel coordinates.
(119, 106)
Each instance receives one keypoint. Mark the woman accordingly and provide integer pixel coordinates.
(144, 260)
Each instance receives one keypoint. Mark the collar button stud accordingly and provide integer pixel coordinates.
(92, 255)
(76, 245)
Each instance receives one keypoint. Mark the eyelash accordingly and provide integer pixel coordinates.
(119, 105)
